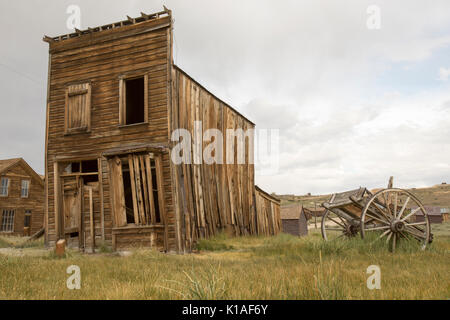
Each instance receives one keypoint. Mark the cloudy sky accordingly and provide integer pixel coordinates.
(353, 105)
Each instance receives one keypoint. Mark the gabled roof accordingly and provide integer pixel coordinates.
(268, 196)
(204, 88)
(431, 210)
(291, 212)
(7, 164)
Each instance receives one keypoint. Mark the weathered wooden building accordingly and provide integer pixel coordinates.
(21, 198)
(294, 220)
(114, 99)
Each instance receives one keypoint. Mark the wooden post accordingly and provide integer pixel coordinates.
(100, 190)
(315, 216)
(60, 248)
(161, 201)
(56, 200)
(148, 169)
(133, 189)
(91, 218)
(47, 119)
(391, 182)
(82, 228)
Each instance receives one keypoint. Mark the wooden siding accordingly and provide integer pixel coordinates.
(268, 220)
(34, 202)
(431, 218)
(211, 198)
(296, 227)
(101, 59)
(291, 226)
(214, 198)
(303, 224)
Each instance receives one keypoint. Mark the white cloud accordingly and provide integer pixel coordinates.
(444, 74)
(404, 136)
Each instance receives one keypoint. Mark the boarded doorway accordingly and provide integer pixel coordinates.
(72, 195)
(81, 204)
(137, 189)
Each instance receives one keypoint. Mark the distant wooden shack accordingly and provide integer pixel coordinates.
(115, 100)
(294, 220)
(21, 198)
(434, 214)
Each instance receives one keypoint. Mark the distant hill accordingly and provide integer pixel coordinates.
(438, 195)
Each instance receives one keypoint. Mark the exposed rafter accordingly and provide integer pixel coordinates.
(129, 21)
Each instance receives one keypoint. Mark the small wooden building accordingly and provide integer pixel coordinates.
(21, 198)
(434, 214)
(115, 99)
(294, 220)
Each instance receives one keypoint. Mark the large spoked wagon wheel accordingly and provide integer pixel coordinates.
(334, 227)
(391, 214)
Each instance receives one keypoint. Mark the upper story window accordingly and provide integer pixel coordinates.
(4, 185)
(25, 190)
(78, 108)
(133, 99)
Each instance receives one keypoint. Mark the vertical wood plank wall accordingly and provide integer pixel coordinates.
(214, 198)
(268, 213)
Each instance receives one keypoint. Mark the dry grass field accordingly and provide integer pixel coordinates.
(282, 267)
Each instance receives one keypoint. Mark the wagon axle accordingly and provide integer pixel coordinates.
(397, 226)
(351, 230)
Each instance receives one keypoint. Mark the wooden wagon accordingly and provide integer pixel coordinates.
(385, 216)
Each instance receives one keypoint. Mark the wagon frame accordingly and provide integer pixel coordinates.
(386, 212)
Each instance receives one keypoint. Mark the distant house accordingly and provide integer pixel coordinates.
(294, 220)
(21, 198)
(434, 214)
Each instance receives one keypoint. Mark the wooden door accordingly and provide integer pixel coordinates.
(72, 209)
(117, 192)
(91, 210)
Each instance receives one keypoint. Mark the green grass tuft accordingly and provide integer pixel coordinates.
(104, 248)
(5, 243)
(217, 243)
(204, 283)
(31, 244)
